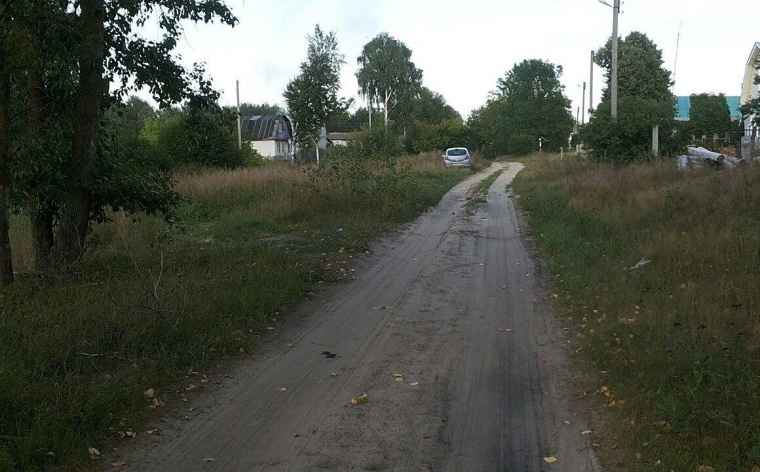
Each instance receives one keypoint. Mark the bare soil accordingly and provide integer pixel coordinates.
(445, 330)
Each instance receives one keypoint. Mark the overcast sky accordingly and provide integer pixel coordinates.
(463, 47)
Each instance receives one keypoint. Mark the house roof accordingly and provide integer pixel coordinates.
(683, 106)
(265, 128)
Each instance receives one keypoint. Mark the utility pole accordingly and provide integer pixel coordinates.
(239, 121)
(614, 75)
(583, 105)
(591, 86)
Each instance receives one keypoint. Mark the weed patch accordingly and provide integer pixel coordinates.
(150, 303)
(677, 340)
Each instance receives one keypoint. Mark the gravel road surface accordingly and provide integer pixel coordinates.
(463, 366)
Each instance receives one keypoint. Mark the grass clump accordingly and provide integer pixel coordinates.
(151, 305)
(677, 339)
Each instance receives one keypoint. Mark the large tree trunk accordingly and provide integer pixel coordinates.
(6, 261)
(75, 215)
(40, 216)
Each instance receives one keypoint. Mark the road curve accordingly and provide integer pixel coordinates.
(462, 371)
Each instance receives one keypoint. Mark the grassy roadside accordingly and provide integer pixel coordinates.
(151, 303)
(676, 341)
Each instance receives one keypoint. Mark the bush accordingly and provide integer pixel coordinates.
(630, 137)
(520, 144)
(448, 133)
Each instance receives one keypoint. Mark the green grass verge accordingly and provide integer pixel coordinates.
(150, 302)
(676, 341)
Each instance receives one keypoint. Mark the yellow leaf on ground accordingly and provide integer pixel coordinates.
(550, 460)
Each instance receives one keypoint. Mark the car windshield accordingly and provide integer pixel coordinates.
(456, 152)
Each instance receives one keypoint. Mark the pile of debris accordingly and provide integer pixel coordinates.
(700, 157)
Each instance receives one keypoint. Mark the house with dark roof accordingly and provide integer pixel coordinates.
(269, 135)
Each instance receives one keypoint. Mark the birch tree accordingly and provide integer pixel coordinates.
(387, 76)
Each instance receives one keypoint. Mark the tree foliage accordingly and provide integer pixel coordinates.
(254, 109)
(312, 96)
(640, 70)
(630, 137)
(387, 76)
(644, 99)
(61, 56)
(529, 104)
(709, 114)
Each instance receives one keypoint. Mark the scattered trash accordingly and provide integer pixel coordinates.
(640, 264)
(335, 374)
(208, 459)
(150, 393)
(588, 431)
(398, 377)
(550, 460)
(339, 230)
(94, 453)
(414, 384)
(507, 330)
(118, 464)
(282, 389)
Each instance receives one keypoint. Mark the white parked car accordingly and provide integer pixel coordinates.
(457, 157)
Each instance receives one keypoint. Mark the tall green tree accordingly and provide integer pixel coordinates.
(709, 114)
(644, 94)
(312, 96)
(6, 261)
(529, 103)
(387, 76)
(640, 68)
(65, 55)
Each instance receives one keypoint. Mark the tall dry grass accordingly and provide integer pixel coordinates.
(678, 338)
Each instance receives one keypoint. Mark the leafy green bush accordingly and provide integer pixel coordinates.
(448, 133)
(630, 137)
(519, 144)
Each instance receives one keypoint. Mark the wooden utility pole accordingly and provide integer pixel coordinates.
(614, 72)
(656, 140)
(239, 120)
(591, 86)
(583, 105)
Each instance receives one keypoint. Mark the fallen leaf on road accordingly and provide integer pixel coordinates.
(566, 422)
(398, 377)
(588, 431)
(208, 459)
(94, 453)
(335, 374)
(550, 460)
(414, 384)
(360, 400)
(152, 431)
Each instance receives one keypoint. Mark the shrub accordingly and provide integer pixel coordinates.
(630, 137)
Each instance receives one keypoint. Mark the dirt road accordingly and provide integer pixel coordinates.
(447, 306)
